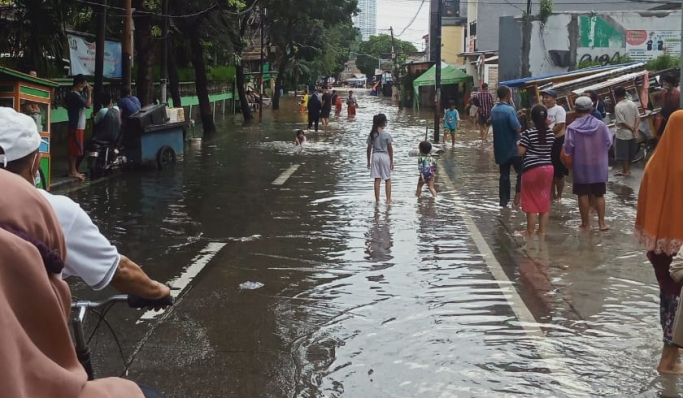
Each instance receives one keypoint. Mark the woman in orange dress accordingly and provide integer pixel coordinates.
(351, 105)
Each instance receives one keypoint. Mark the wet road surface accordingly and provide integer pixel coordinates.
(292, 282)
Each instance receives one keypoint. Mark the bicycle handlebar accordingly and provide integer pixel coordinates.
(133, 302)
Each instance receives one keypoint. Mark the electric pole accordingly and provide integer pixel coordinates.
(260, 106)
(396, 72)
(528, 7)
(127, 46)
(437, 72)
(164, 52)
(99, 53)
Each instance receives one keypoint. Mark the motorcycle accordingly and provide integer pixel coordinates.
(103, 158)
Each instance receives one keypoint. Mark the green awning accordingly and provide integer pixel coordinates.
(15, 75)
(449, 75)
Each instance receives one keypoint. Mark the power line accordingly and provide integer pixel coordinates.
(412, 20)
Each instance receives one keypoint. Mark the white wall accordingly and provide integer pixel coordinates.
(602, 36)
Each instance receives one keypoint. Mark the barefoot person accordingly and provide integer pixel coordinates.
(380, 155)
(506, 129)
(557, 120)
(659, 228)
(76, 103)
(627, 121)
(483, 101)
(451, 121)
(536, 146)
(351, 105)
(587, 142)
(427, 168)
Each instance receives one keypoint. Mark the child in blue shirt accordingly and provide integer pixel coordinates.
(427, 167)
(450, 122)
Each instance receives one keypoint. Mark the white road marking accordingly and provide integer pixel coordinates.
(555, 359)
(181, 282)
(285, 175)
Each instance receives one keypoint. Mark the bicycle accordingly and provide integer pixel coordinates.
(80, 309)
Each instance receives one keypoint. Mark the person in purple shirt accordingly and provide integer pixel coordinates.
(128, 103)
(587, 142)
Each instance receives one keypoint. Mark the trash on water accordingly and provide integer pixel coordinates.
(251, 285)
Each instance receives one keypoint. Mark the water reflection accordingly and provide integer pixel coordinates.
(379, 240)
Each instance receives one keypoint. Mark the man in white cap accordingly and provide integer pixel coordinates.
(90, 256)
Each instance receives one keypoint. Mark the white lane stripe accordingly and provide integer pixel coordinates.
(545, 348)
(181, 282)
(286, 174)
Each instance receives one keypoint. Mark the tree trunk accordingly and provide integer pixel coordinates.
(278, 83)
(242, 94)
(144, 53)
(173, 79)
(201, 85)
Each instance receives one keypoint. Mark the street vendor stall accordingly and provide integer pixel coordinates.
(449, 75)
(32, 96)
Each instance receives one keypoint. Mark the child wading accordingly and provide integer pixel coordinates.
(427, 167)
(300, 137)
(380, 155)
(536, 145)
(451, 121)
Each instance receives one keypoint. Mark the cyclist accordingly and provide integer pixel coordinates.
(89, 255)
(36, 350)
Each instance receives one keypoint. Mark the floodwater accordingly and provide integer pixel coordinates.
(317, 291)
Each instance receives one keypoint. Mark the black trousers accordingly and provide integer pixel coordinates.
(504, 185)
(313, 119)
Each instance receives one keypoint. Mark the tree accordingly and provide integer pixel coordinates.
(297, 29)
(144, 50)
(378, 47)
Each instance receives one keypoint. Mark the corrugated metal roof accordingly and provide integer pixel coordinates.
(610, 82)
(604, 74)
(524, 81)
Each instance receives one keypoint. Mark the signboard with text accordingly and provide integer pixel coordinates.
(82, 57)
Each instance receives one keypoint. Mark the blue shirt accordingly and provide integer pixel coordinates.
(596, 114)
(505, 136)
(451, 119)
(129, 106)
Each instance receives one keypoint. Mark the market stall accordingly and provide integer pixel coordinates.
(449, 75)
(32, 96)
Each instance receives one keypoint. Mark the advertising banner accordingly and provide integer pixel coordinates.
(82, 57)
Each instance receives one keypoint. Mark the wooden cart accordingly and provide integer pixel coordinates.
(32, 96)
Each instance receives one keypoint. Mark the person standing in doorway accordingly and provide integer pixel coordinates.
(483, 100)
(627, 121)
(536, 146)
(351, 105)
(659, 228)
(587, 143)
(557, 120)
(314, 107)
(380, 155)
(76, 103)
(326, 108)
(506, 129)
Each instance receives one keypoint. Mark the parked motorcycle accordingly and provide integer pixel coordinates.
(103, 158)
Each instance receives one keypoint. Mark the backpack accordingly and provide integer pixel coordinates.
(475, 101)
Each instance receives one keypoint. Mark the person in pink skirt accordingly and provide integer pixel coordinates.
(536, 147)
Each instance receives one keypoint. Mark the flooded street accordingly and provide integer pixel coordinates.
(293, 282)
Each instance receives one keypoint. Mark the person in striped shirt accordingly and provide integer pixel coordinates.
(483, 100)
(536, 147)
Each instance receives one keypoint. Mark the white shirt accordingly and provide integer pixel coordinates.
(556, 115)
(89, 255)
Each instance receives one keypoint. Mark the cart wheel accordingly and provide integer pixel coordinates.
(165, 157)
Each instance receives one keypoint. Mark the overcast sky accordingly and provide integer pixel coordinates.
(398, 13)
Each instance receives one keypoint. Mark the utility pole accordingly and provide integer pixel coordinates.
(396, 69)
(164, 52)
(528, 7)
(99, 53)
(437, 74)
(127, 46)
(260, 106)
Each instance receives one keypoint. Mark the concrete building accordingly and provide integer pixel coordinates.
(366, 20)
(453, 32)
(566, 39)
(483, 16)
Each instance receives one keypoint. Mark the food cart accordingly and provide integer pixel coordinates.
(32, 96)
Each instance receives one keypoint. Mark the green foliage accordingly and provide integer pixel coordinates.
(379, 47)
(546, 10)
(665, 61)
(222, 74)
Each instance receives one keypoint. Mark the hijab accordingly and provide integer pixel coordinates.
(36, 352)
(659, 222)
